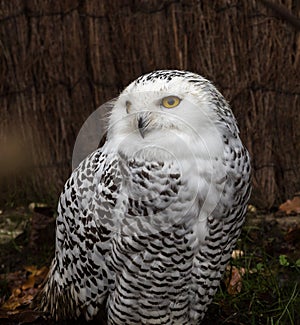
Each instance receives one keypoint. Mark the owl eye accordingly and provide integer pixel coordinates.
(170, 101)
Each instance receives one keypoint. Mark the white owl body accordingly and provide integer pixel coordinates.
(147, 223)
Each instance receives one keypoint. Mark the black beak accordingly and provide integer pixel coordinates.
(142, 124)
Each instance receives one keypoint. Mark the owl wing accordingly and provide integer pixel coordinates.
(79, 276)
(224, 227)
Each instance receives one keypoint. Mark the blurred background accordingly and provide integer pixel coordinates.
(60, 60)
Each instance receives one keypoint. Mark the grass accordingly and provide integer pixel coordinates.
(270, 293)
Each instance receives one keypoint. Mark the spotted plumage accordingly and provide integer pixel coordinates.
(147, 223)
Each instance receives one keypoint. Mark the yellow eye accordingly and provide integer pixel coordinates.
(170, 101)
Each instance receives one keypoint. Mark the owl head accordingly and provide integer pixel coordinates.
(176, 110)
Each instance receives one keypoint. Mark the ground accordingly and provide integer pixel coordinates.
(261, 285)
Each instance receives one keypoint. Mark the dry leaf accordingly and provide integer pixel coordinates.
(11, 304)
(16, 292)
(234, 280)
(42, 272)
(24, 293)
(30, 268)
(29, 283)
(291, 205)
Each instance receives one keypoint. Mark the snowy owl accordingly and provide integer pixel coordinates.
(147, 223)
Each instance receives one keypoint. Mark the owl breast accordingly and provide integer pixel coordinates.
(154, 245)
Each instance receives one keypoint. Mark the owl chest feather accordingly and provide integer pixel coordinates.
(157, 193)
(156, 243)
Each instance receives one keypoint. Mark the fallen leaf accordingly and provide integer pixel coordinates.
(42, 272)
(14, 312)
(291, 206)
(29, 283)
(31, 268)
(16, 292)
(233, 281)
(26, 289)
(11, 304)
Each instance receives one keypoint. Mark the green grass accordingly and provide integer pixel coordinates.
(270, 293)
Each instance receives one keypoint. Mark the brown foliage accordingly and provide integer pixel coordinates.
(60, 60)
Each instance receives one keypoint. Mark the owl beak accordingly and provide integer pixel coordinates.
(142, 123)
(141, 126)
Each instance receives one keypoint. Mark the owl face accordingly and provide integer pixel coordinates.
(166, 108)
